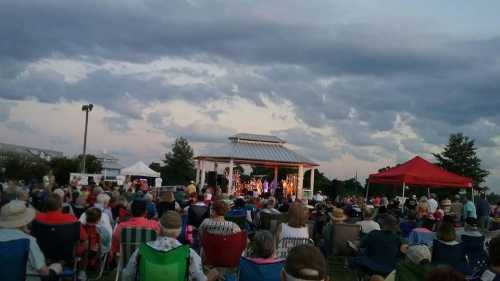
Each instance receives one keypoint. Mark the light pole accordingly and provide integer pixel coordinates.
(86, 108)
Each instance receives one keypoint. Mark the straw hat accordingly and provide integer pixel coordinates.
(338, 215)
(15, 214)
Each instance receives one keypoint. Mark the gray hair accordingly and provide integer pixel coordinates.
(264, 244)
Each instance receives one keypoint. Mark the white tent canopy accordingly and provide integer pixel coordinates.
(139, 169)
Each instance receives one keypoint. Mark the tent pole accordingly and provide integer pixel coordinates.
(403, 191)
(428, 192)
(367, 190)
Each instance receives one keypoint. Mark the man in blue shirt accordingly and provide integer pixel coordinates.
(483, 212)
(469, 209)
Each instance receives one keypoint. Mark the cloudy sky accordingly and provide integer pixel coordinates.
(354, 85)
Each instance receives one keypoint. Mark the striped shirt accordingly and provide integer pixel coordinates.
(222, 227)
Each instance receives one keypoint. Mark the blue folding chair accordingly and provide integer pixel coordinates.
(13, 259)
(251, 271)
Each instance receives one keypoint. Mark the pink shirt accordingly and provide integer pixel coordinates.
(135, 222)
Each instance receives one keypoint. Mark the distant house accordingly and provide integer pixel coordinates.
(25, 152)
(110, 166)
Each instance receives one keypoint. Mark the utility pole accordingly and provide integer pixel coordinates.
(87, 108)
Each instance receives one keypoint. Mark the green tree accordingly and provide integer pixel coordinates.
(321, 182)
(155, 166)
(27, 169)
(459, 156)
(92, 164)
(62, 167)
(179, 165)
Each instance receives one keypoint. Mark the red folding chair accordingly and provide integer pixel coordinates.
(223, 250)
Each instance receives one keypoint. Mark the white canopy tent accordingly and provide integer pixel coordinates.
(139, 169)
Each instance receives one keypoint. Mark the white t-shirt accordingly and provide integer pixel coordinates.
(368, 226)
(433, 204)
(293, 232)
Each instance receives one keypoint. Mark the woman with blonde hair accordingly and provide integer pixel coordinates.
(296, 227)
(423, 208)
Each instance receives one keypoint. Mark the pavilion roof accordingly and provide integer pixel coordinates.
(258, 149)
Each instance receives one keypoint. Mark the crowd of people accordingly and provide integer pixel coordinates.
(418, 239)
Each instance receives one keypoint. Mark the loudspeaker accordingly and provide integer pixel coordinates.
(212, 178)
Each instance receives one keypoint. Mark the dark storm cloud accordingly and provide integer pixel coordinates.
(436, 83)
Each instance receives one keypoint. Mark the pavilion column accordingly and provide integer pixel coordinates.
(275, 179)
(300, 185)
(202, 181)
(198, 168)
(215, 170)
(230, 183)
(312, 181)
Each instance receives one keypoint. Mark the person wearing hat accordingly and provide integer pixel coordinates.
(368, 224)
(14, 218)
(382, 249)
(337, 216)
(470, 229)
(171, 227)
(413, 268)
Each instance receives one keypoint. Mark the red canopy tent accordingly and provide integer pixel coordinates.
(420, 172)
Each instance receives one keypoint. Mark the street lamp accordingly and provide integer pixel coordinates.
(86, 108)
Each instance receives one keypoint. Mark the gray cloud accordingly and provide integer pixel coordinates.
(20, 126)
(118, 124)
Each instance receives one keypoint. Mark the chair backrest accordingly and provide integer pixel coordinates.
(421, 238)
(197, 214)
(57, 241)
(223, 250)
(286, 244)
(474, 250)
(452, 255)
(271, 221)
(342, 233)
(132, 238)
(159, 265)
(251, 271)
(13, 259)
(241, 221)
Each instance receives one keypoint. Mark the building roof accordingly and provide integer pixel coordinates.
(256, 138)
(105, 157)
(30, 151)
(109, 165)
(268, 150)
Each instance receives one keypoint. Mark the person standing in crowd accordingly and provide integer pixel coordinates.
(318, 197)
(470, 229)
(410, 204)
(105, 218)
(167, 203)
(191, 188)
(423, 208)
(171, 226)
(14, 219)
(456, 209)
(483, 212)
(432, 203)
(469, 210)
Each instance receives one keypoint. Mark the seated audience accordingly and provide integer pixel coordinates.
(138, 220)
(270, 206)
(409, 224)
(445, 274)
(167, 203)
(422, 234)
(493, 272)
(296, 227)
(368, 224)
(337, 217)
(382, 249)
(217, 224)
(79, 204)
(14, 218)
(417, 263)
(446, 250)
(171, 225)
(93, 218)
(264, 250)
(102, 201)
(54, 214)
(470, 229)
(239, 210)
(304, 262)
